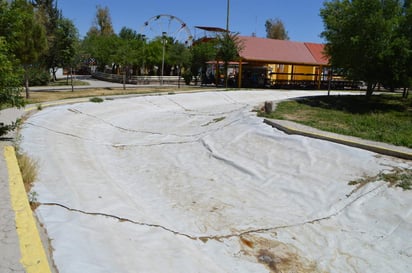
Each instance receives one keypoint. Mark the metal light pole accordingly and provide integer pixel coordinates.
(227, 16)
(143, 69)
(163, 56)
(227, 37)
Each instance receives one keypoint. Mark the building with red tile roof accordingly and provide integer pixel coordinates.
(281, 51)
(286, 62)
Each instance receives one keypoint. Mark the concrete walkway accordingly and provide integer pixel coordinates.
(9, 242)
(290, 127)
(21, 246)
(10, 258)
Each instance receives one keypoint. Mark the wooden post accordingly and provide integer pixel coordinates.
(239, 78)
(320, 76)
(124, 80)
(71, 73)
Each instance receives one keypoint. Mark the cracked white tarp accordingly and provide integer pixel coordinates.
(198, 183)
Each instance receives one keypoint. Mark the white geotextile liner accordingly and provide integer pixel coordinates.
(198, 183)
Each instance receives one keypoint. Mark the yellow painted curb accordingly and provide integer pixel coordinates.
(33, 255)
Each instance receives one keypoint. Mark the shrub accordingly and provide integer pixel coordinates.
(187, 76)
(38, 77)
(28, 169)
(96, 99)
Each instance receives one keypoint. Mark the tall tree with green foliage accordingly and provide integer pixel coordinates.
(407, 28)
(153, 55)
(49, 16)
(103, 48)
(102, 24)
(129, 51)
(202, 52)
(275, 29)
(129, 34)
(62, 35)
(366, 39)
(101, 42)
(10, 82)
(67, 43)
(228, 47)
(25, 34)
(180, 59)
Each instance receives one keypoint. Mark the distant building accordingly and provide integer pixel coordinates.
(265, 62)
(281, 62)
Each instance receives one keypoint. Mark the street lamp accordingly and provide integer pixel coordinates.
(163, 56)
(143, 68)
(227, 16)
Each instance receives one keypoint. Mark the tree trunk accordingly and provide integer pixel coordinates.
(26, 82)
(405, 93)
(54, 70)
(71, 78)
(124, 80)
(369, 90)
(226, 69)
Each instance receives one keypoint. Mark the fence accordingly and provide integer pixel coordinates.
(139, 80)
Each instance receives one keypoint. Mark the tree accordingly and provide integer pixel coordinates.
(49, 14)
(228, 47)
(366, 40)
(407, 27)
(102, 23)
(101, 42)
(50, 17)
(130, 49)
(66, 45)
(102, 48)
(25, 35)
(10, 82)
(180, 58)
(275, 29)
(128, 34)
(202, 52)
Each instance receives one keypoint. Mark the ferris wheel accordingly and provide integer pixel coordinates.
(167, 25)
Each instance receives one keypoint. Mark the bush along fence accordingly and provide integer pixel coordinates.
(140, 80)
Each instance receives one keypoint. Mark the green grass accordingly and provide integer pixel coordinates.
(397, 177)
(385, 118)
(96, 100)
(28, 169)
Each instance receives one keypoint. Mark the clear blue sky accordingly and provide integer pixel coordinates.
(300, 17)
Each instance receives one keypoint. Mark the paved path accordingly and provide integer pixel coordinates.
(20, 243)
(9, 243)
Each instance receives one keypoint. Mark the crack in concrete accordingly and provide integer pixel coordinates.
(218, 237)
(197, 137)
(112, 124)
(120, 219)
(57, 132)
(243, 106)
(117, 145)
(150, 132)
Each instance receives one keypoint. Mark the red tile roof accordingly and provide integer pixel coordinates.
(281, 51)
(317, 51)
